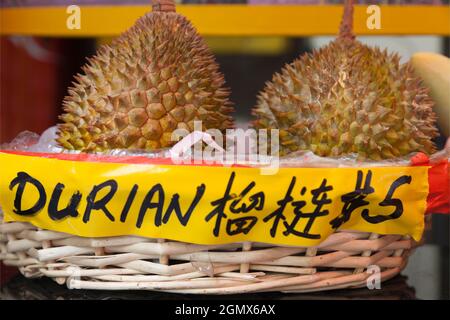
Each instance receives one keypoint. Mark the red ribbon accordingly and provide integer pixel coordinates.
(438, 200)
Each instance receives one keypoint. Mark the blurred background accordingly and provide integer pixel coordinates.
(36, 67)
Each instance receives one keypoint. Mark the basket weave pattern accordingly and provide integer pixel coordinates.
(136, 263)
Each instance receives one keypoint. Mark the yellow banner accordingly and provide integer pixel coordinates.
(211, 204)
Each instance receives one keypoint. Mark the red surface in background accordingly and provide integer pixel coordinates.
(439, 195)
(28, 86)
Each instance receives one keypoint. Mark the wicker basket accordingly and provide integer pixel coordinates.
(135, 263)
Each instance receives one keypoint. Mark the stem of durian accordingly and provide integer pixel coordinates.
(346, 28)
(163, 5)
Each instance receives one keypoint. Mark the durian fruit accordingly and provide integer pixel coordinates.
(348, 98)
(156, 77)
(434, 69)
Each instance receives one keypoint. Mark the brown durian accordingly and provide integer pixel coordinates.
(348, 98)
(156, 77)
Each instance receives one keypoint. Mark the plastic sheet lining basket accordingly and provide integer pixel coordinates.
(136, 263)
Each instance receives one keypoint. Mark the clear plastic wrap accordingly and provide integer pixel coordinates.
(46, 143)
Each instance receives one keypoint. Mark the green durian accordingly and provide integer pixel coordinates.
(156, 77)
(348, 98)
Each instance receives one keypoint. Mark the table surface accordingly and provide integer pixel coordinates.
(20, 288)
(425, 277)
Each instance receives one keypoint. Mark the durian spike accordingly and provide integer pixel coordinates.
(348, 98)
(156, 77)
(163, 5)
(346, 28)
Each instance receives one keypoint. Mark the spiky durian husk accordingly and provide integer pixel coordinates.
(348, 98)
(156, 77)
